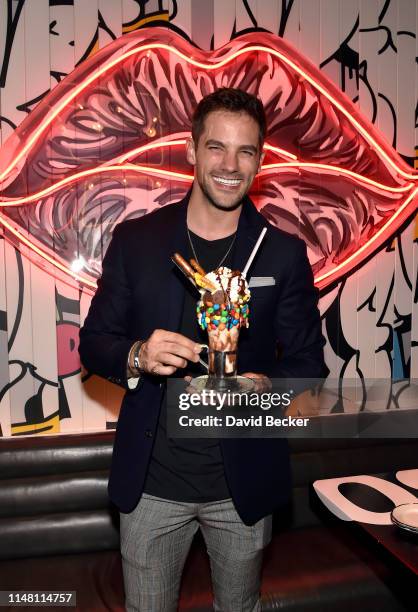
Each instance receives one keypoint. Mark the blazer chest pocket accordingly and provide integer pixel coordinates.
(261, 281)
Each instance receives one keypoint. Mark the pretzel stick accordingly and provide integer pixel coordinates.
(197, 279)
(195, 264)
(184, 267)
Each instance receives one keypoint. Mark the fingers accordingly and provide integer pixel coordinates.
(262, 382)
(164, 352)
(171, 360)
(178, 340)
(162, 370)
(255, 376)
(182, 351)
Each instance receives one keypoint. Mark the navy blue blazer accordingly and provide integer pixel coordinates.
(141, 290)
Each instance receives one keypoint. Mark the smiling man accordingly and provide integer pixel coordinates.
(226, 162)
(141, 328)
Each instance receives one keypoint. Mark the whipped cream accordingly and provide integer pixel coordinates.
(231, 282)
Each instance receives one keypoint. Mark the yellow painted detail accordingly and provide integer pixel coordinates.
(138, 24)
(49, 426)
(95, 48)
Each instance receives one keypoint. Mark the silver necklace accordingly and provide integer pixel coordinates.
(223, 258)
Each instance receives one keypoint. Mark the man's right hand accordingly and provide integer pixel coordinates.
(165, 352)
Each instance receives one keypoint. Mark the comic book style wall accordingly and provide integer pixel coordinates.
(81, 154)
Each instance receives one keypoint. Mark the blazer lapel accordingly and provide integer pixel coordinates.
(176, 287)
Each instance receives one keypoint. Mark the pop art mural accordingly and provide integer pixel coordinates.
(104, 141)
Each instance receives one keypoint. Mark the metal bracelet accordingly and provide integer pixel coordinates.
(137, 349)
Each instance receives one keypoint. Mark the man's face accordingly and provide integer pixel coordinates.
(226, 158)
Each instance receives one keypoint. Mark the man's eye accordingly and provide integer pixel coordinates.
(212, 147)
(251, 153)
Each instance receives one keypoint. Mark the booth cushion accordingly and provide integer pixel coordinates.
(59, 532)
(310, 569)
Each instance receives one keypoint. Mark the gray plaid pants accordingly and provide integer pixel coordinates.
(156, 538)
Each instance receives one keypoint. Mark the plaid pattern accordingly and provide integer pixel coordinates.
(156, 538)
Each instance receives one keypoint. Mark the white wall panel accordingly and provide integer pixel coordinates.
(85, 28)
(183, 18)
(268, 15)
(111, 12)
(224, 21)
(382, 79)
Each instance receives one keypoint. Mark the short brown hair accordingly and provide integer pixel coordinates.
(234, 101)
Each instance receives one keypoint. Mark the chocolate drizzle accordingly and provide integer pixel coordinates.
(217, 311)
(226, 291)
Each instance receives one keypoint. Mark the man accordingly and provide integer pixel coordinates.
(143, 315)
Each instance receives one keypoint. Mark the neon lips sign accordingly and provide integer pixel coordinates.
(108, 144)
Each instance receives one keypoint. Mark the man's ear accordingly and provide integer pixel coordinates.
(260, 161)
(191, 151)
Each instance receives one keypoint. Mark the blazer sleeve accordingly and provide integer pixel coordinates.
(104, 338)
(298, 323)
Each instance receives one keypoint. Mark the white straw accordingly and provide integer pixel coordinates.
(253, 252)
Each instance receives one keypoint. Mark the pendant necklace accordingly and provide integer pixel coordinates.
(223, 258)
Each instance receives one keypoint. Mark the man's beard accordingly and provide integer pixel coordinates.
(219, 205)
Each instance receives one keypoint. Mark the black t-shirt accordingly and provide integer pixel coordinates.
(190, 470)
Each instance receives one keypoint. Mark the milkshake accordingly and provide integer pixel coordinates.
(222, 311)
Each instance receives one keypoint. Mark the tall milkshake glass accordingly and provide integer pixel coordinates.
(222, 313)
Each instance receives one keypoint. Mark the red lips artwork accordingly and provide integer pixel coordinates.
(108, 144)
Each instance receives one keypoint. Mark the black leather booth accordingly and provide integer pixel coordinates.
(58, 532)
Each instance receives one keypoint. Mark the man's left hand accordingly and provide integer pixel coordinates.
(262, 382)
